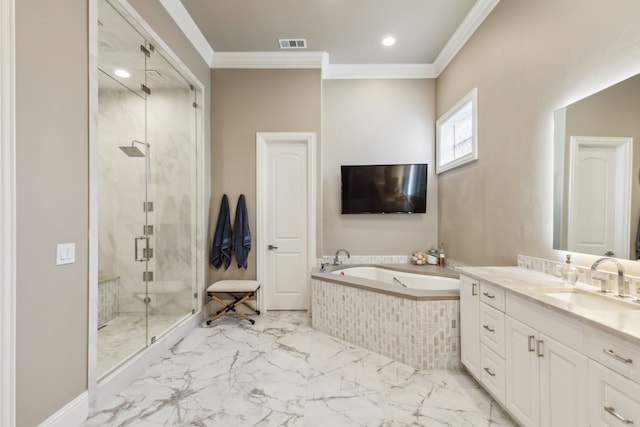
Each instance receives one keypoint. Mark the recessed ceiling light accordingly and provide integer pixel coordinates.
(389, 41)
(122, 73)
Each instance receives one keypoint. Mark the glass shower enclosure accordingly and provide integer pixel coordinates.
(147, 198)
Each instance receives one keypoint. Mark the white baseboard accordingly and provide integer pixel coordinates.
(72, 414)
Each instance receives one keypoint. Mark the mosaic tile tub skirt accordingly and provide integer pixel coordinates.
(421, 334)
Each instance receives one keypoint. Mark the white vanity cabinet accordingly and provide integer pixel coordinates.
(482, 333)
(546, 378)
(547, 365)
(491, 326)
(529, 358)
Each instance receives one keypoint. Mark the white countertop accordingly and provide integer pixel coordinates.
(624, 324)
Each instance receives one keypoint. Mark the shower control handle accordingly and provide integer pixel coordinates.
(145, 252)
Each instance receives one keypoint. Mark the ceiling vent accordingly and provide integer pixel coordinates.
(292, 43)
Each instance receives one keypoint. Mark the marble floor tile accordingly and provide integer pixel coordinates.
(281, 372)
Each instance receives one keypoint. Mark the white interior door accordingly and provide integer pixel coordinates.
(286, 230)
(599, 193)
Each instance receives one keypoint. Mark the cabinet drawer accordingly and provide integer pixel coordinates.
(492, 295)
(620, 356)
(492, 372)
(613, 400)
(492, 328)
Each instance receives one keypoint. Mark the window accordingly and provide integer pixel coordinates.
(457, 134)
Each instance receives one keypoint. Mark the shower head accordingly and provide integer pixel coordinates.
(132, 150)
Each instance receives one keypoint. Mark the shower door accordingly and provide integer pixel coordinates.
(147, 193)
(171, 126)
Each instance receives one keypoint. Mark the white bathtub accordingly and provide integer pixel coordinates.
(417, 325)
(401, 278)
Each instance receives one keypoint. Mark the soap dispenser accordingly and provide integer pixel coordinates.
(569, 272)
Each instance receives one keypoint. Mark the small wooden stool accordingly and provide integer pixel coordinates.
(240, 291)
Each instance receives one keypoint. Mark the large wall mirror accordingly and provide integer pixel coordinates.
(596, 173)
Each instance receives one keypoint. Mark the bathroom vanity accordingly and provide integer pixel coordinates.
(552, 355)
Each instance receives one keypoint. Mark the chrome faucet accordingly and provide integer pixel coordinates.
(621, 284)
(336, 261)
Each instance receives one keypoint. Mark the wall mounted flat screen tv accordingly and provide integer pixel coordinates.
(384, 189)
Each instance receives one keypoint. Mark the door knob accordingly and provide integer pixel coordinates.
(271, 247)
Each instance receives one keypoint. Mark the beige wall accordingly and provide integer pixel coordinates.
(527, 60)
(245, 102)
(377, 122)
(52, 133)
(52, 205)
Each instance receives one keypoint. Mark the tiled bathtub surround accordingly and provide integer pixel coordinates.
(377, 259)
(365, 259)
(422, 334)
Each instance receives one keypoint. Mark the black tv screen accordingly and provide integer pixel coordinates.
(384, 188)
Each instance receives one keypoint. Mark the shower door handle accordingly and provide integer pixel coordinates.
(145, 252)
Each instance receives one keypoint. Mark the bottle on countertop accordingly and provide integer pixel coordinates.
(441, 257)
(569, 272)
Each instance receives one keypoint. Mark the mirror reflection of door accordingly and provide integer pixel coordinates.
(599, 195)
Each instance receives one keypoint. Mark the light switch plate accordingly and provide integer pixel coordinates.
(65, 253)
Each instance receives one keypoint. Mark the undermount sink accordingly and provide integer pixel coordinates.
(588, 300)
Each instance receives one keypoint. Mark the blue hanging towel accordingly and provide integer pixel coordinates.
(241, 234)
(222, 245)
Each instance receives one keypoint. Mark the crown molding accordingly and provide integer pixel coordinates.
(179, 14)
(469, 25)
(379, 71)
(270, 59)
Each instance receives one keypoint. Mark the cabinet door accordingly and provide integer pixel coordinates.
(563, 385)
(469, 329)
(521, 358)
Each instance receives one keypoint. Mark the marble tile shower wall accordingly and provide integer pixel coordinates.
(554, 268)
(422, 334)
(122, 192)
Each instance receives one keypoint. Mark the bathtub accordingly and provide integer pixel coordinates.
(401, 278)
(408, 313)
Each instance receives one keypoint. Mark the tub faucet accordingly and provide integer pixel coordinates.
(621, 284)
(336, 261)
